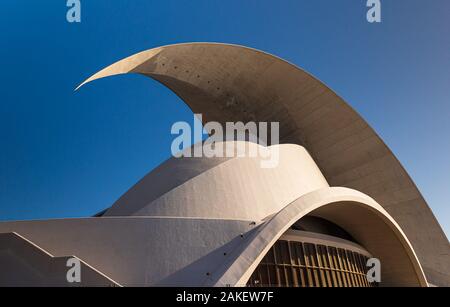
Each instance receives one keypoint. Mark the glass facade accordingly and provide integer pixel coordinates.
(301, 264)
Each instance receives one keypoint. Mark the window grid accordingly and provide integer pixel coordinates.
(301, 264)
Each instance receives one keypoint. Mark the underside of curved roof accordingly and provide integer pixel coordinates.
(233, 83)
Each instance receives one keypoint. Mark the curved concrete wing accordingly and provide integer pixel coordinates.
(160, 181)
(366, 220)
(234, 83)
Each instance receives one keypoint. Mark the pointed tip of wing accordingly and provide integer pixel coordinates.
(124, 66)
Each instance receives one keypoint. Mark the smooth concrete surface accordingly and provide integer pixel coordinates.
(237, 188)
(166, 177)
(233, 83)
(139, 251)
(24, 264)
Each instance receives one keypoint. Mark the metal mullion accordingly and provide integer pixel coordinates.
(331, 264)
(341, 267)
(293, 265)
(350, 268)
(357, 270)
(307, 268)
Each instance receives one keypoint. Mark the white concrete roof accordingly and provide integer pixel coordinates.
(234, 83)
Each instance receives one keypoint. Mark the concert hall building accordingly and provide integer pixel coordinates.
(337, 197)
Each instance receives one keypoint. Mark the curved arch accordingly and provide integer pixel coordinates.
(373, 227)
(235, 83)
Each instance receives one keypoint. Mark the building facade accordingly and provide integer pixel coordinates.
(337, 197)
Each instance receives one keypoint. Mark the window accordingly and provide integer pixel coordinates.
(301, 264)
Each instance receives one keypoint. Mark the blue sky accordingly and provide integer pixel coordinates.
(72, 154)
